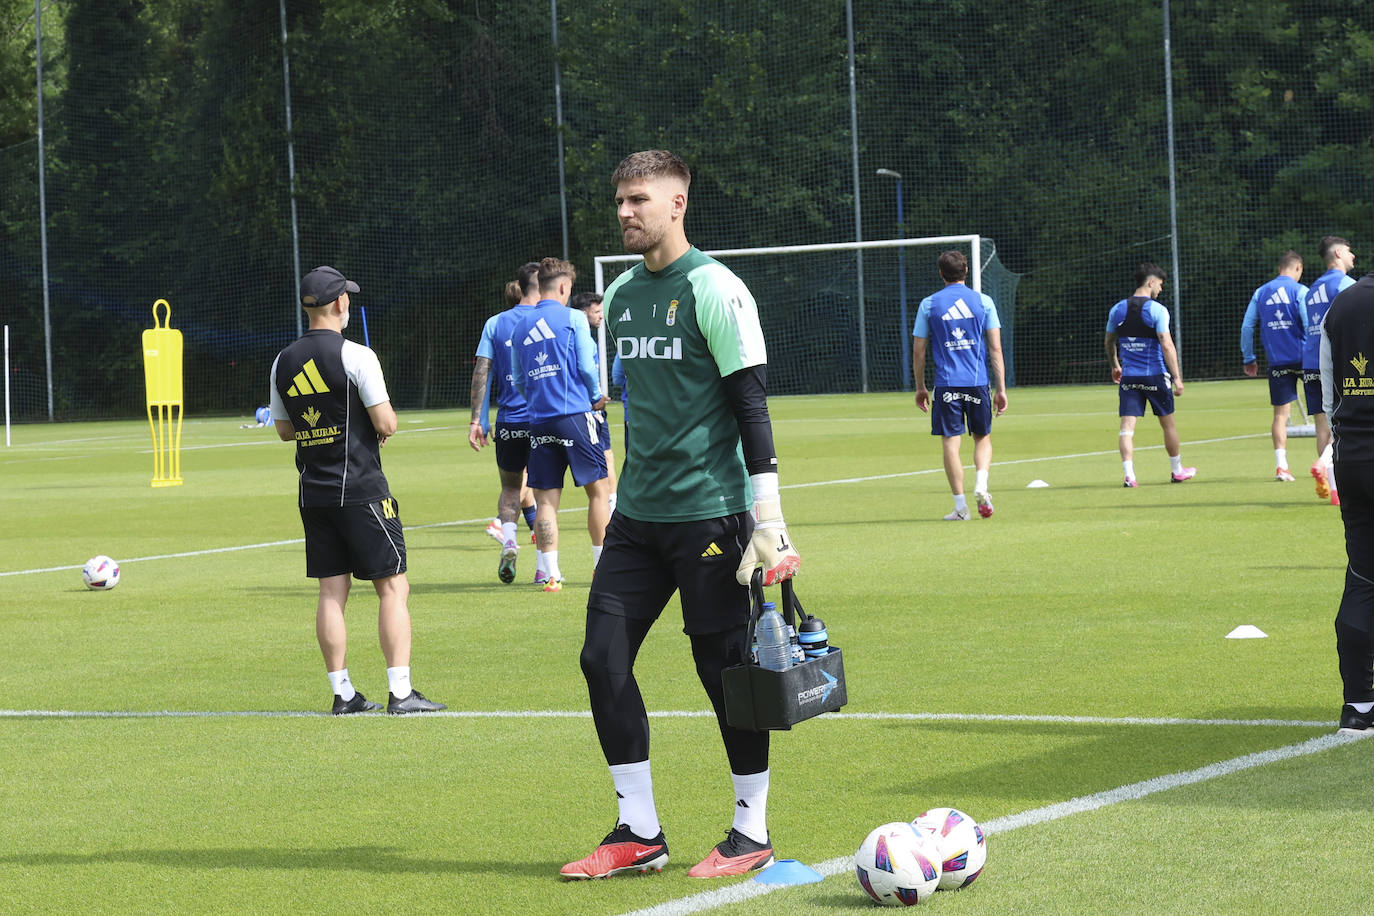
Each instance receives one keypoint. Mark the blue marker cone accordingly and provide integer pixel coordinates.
(788, 871)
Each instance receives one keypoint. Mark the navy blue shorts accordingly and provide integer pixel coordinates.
(603, 430)
(1312, 388)
(365, 540)
(951, 407)
(566, 443)
(1137, 389)
(512, 445)
(1283, 384)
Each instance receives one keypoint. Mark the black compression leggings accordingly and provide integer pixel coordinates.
(622, 725)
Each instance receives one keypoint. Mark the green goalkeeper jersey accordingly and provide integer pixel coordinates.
(678, 333)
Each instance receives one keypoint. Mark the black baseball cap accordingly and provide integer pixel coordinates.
(323, 285)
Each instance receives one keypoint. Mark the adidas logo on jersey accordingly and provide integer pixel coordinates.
(626, 316)
(539, 332)
(1318, 295)
(1280, 297)
(307, 381)
(958, 310)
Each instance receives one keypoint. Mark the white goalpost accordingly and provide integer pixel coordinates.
(975, 269)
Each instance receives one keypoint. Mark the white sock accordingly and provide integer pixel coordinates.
(1129, 468)
(342, 686)
(1326, 455)
(508, 530)
(634, 793)
(596, 556)
(551, 564)
(1362, 708)
(960, 503)
(980, 481)
(751, 805)
(1281, 457)
(399, 680)
(1176, 462)
(539, 564)
(611, 499)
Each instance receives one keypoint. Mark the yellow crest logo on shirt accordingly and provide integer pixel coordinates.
(1359, 362)
(311, 416)
(672, 313)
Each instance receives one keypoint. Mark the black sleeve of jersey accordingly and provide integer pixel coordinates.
(746, 390)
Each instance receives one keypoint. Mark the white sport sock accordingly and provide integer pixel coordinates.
(1362, 708)
(1176, 462)
(611, 500)
(751, 805)
(551, 564)
(960, 503)
(1326, 455)
(980, 481)
(398, 679)
(539, 564)
(508, 530)
(1281, 457)
(596, 556)
(1129, 468)
(342, 686)
(634, 793)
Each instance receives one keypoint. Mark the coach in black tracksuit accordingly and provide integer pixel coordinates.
(1347, 348)
(329, 397)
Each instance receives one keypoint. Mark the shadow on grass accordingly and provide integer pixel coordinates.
(349, 858)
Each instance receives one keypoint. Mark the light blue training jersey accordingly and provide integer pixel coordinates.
(1279, 308)
(551, 361)
(1141, 353)
(1319, 298)
(495, 345)
(955, 321)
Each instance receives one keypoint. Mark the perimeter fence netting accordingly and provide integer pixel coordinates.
(427, 168)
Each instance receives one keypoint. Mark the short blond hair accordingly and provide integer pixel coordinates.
(651, 163)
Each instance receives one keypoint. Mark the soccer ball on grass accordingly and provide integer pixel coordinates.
(897, 865)
(962, 844)
(100, 573)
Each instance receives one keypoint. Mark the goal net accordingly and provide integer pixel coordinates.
(838, 317)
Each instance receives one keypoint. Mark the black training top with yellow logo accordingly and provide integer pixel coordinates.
(325, 384)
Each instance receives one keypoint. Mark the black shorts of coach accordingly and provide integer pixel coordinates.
(642, 563)
(365, 540)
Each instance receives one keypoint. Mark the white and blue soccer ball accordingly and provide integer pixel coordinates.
(963, 845)
(100, 573)
(898, 865)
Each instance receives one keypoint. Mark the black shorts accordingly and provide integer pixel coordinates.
(643, 563)
(365, 540)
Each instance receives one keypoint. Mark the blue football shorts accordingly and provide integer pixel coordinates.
(512, 445)
(1312, 388)
(571, 442)
(951, 407)
(1283, 384)
(1135, 390)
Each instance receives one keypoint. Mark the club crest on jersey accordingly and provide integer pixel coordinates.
(1359, 362)
(311, 416)
(672, 313)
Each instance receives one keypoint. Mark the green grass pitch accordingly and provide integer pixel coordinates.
(1069, 646)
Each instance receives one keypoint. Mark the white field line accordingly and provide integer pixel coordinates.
(661, 714)
(474, 521)
(746, 890)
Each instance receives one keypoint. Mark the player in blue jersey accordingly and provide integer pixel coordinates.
(1339, 259)
(590, 304)
(1146, 370)
(963, 331)
(1279, 308)
(511, 431)
(551, 363)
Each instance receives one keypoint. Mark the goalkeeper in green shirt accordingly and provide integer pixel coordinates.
(697, 513)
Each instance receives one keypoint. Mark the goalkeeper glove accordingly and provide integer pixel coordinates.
(770, 546)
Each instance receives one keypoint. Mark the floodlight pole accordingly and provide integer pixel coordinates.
(42, 204)
(903, 345)
(858, 213)
(558, 130)
(1173, 183)
(291, 169)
